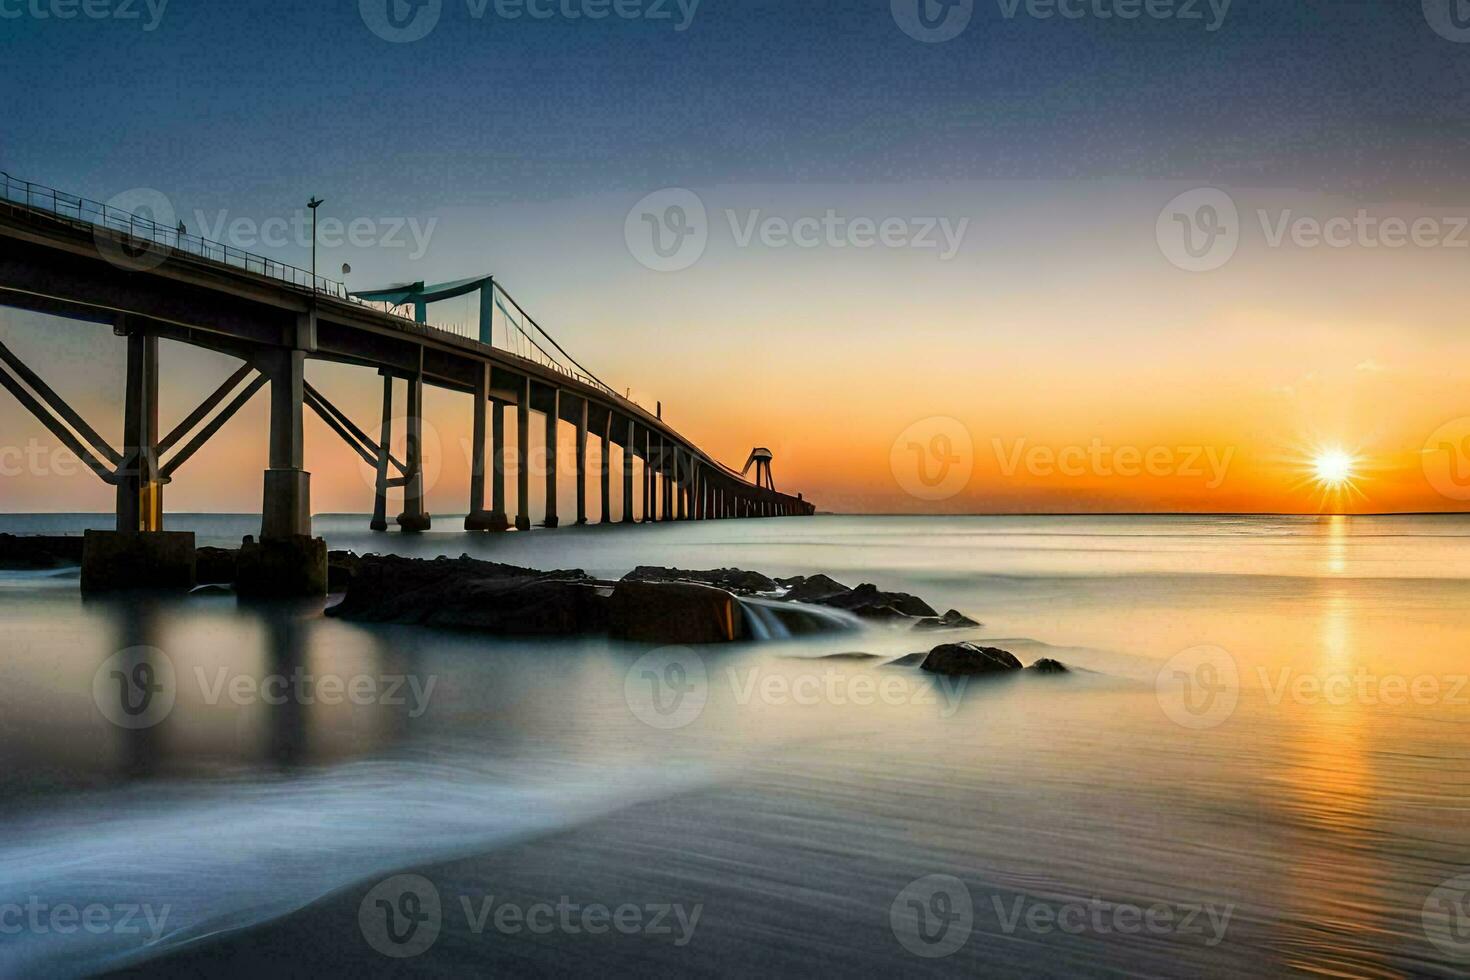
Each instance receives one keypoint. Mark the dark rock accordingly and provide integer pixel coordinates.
(24, 552)
(212, 589)
(867, 601)
(908, 660)
(1048, 666)
(813, 588)
(952, 620)
(734, 580)
(968, 658)
(389, 589)
(215, 566)
(282, 567)
(674, 612)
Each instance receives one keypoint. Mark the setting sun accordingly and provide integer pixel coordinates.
(1334, 468)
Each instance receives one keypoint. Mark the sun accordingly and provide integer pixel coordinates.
(1334, 469)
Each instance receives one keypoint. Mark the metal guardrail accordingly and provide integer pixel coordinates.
(95, 214)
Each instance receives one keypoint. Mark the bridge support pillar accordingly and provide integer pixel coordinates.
(681, 489)
(582, 464)
(553, 411)
(414, 517)
(478, 519)
(498, 519)
(667, 479)
(140, 490)
(628, 460)
(385, 438)
(287, 561)
(604, 474)
(647, 477)
(523, 472)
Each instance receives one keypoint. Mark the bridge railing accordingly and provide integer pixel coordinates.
(143, 229)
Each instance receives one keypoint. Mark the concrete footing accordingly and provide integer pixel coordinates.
(281, 567)
(414, 523)
(485, 521)
(118, 560)
(523, 523)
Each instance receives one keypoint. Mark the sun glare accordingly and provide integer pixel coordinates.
(1333, 468)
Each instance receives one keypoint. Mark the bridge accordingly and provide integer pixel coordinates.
(71, 257)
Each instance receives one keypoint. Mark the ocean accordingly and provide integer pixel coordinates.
(1256, 764)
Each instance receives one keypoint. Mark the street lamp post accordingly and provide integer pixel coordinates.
(314, 203)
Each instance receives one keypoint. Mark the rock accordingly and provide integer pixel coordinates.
(968, 658)
(1048, 666)
(212, 589)
(389, 589)
(812, 589)
(282, 567)
(908, 660)
(215, 566)
(867, 601)
(26, 552)
(952, 620)
(674, 612)
(734, 580)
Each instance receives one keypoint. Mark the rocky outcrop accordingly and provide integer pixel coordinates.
(735, 580)
(674, 612)
(869, 602)
(814, 588)
(964, 659)
(1048, 666)
(28, 552)
(449, 591)
(215, 566)
(952, 620)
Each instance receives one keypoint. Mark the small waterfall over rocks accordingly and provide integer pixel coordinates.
(768, 619)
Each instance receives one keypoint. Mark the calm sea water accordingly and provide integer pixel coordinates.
(1258, 763)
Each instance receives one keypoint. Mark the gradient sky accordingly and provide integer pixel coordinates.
(1059, 324)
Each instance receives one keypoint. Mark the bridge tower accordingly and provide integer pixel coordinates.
(760, 458)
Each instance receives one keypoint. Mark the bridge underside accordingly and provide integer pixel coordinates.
(53, 266)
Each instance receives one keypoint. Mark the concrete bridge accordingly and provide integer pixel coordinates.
(75, 258)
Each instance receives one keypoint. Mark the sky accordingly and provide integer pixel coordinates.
(1125, 257)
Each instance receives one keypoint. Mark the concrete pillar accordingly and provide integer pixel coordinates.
(523, 473)
(498, 519)
(666, 475)
(553, 413)
(605, 474)
(140, 492)
(697, 509)
(414, 517)
(478, 518)
(627, 473)
(582, 464)
(385, 440)
(680, 505)
(287, 503)
(647, 476)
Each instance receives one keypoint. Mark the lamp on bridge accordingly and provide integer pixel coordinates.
(314, 203)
